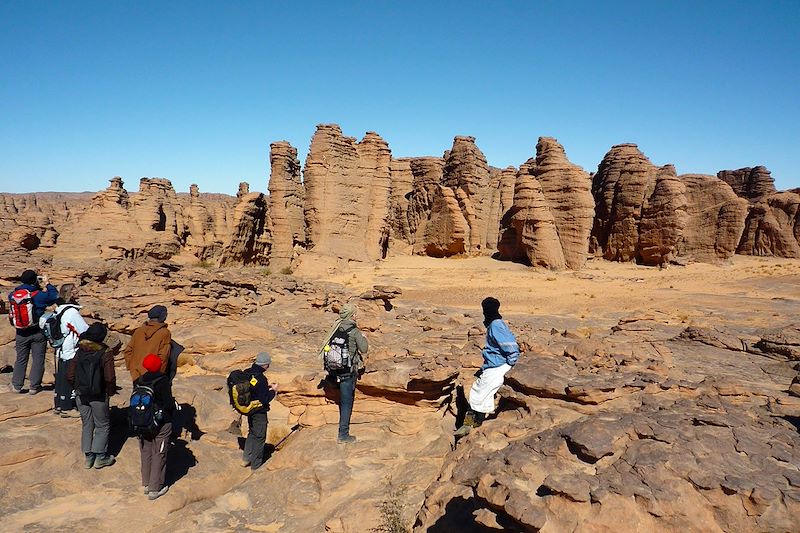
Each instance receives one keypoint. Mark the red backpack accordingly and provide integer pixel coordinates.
(20, 308)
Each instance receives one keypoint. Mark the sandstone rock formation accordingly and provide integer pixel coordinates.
(551, 217)
(625, 177)
(355, 202)
(664, 218)
(750, 183)
(154, 222)
(286, 194)
(250, 240)
(715, 219)
(347, 194)
(427, 176)
(773, 226)
(648, 214)
(31, 220)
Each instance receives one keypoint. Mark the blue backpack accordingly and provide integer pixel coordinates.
(144, 414)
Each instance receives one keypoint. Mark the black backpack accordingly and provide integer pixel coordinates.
(145, 415)
(52, 327)
(240, 384)
(337, 357)
(89, 373)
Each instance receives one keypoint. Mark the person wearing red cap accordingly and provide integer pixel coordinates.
(153, 446)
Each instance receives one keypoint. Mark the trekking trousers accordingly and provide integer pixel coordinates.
(31, 347)
(347, 390)
(256, 438)
(154, 458)
(96, 424)
(481, 395)
(65, 395)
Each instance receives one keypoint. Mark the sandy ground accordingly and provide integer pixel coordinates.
(747, 293)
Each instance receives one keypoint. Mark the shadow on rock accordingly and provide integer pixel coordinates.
(120, 430)
(793, 420)
(179, 460)
(185, 423)
(460, 516)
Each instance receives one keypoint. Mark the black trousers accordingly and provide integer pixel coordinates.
(65, 395)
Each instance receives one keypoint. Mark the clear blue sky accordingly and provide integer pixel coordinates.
(195, 91)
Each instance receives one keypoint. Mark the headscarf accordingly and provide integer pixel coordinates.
(345, 313)
(491, 310)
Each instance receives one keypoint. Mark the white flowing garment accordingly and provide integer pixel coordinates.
(481, 395)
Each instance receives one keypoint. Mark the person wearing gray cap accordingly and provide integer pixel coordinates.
(151, 337)
(263, 391)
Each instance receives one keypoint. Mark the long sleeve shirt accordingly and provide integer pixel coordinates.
(501, 346)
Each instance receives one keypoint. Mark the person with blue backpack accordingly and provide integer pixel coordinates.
(500, 354)
(150, 413)
(26, 304)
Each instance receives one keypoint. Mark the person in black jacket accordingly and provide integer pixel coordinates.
(263, 391)
(154, 446)
(93, 402)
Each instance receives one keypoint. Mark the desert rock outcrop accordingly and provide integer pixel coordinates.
(750, 183)
(551, 217)
(347, 194)
(646, 213)
(286, 194)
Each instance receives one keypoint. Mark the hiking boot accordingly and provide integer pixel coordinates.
(57, 411)
(88, 462)
(146, 490)
(14, 389)
(346, 440)
(154, 495)
(463, 431)
(104, 460)
(245, 463)
(34, 391)
(72, 413)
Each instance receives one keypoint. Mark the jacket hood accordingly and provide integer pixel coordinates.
(151, 327)
(90, 346)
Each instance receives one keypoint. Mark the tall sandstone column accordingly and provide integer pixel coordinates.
(567, 189)
(286, 192)
(347, 194)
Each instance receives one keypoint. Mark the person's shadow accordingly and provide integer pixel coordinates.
(179, 460)
(119, 430)
(185, 423)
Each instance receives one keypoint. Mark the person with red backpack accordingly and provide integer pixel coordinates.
(26, 304)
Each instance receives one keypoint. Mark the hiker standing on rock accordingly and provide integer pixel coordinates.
(26, 305)
(151, 337)
(151, 412)
(71, 325)
(500, 354)
(342, 354)
(261, 393)
(91, 373)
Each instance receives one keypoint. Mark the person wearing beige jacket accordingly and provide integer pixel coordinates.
(151, 337)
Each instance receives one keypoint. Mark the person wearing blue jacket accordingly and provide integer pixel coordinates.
(499, 356)
(263, 391)
(30, 341)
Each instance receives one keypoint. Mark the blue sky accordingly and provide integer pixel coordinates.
(195, 91)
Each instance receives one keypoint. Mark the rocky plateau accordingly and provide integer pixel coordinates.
(645, 399)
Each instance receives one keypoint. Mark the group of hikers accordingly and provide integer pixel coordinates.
(85, 377)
